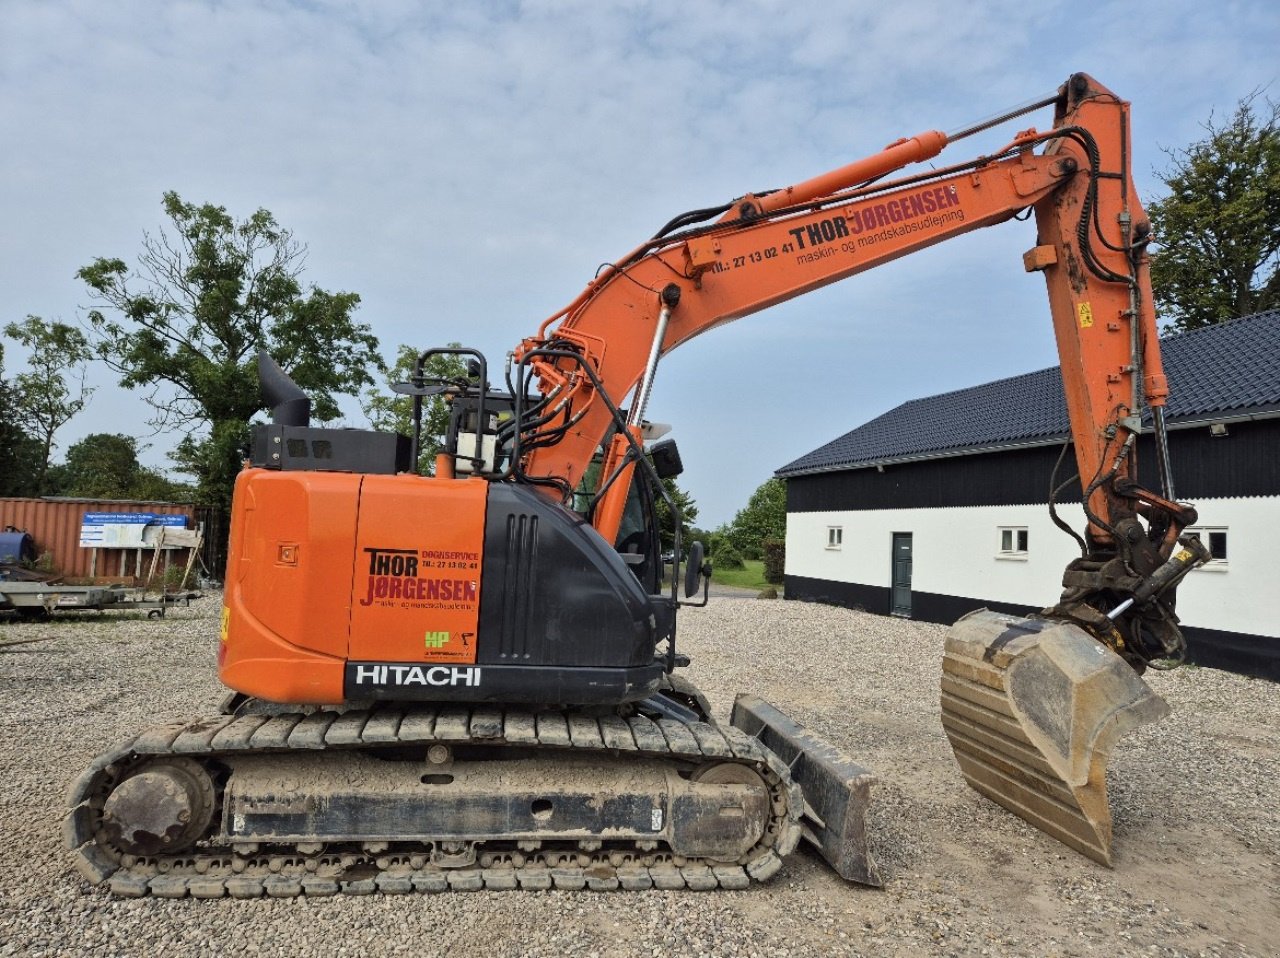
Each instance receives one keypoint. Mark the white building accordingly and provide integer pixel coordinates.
(939, 506)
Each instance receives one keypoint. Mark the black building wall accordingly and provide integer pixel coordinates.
(1244, 463)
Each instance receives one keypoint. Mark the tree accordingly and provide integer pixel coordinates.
(18, 451)
(666, 521)
(394, 413)
(106, 466)
(52, 391)
(188, 322)
(1219, 227)
(724, 555)
(763, 517)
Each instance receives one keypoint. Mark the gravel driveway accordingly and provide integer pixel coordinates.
(1195, 800)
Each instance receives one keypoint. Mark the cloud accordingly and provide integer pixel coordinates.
(466, 167)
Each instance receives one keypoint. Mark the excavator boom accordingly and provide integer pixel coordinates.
(1091, 249)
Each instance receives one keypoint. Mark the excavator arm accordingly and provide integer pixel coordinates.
(763, 250)
(1032, 707)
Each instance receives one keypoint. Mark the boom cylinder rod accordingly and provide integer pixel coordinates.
(1162, 452)
(670, 297)
(650, 369)
(1017, 111)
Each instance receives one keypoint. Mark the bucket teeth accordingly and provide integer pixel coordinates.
(1032, 709)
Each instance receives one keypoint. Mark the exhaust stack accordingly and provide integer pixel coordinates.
(290, 406)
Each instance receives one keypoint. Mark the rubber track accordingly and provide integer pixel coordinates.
(278, 874)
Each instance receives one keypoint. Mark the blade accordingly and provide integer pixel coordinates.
(837, 790)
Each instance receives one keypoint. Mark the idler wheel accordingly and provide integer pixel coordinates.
(729, 773)
(164, 806)
(724, 815)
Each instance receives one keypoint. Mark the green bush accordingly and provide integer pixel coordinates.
(727, 557)
(753, 551)
(775, 560)
(44, 563)
(174, 576)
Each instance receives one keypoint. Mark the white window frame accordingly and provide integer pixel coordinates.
(1202, 533)
(1014, 533)
(835, 538)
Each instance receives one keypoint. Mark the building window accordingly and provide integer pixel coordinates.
(1013, 542)
(835, 537)
(1215, 539)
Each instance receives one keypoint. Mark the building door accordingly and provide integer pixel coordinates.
(901, 591)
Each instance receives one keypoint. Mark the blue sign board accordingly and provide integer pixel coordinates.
(122, 530)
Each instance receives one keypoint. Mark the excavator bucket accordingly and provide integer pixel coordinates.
(836, 789)
(1032, 708)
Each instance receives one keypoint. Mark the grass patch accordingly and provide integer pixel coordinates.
(751, 576)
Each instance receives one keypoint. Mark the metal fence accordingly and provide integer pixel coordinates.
(55, 524)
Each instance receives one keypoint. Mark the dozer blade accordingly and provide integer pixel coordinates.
(836, 789)
(1032, 708)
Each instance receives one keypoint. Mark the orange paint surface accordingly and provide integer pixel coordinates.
(415, 594)
(326, 567)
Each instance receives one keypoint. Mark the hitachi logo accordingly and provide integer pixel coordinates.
(417, 675)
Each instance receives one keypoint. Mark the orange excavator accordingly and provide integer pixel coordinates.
(472, 679)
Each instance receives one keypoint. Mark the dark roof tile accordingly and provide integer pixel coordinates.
(1232, 368)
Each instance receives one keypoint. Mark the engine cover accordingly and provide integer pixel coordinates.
(347, 587)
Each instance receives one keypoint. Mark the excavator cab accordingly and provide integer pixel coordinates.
(478, 441)
(639, 538)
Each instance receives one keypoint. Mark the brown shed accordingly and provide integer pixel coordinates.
(57, 524)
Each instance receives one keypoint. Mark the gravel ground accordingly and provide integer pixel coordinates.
(1197, 843)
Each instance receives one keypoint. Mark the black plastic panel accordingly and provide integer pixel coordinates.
(553, 593)
(329, 450)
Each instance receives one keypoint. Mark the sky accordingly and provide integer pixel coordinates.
(466, 166)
